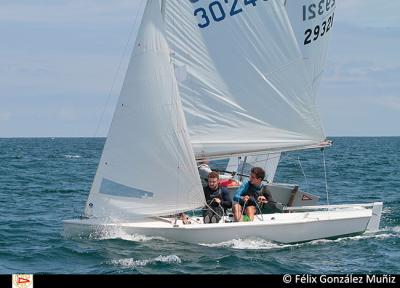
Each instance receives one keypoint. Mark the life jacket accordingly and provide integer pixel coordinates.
(228, 183)
(253, 191)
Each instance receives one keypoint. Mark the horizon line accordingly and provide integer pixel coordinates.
(59, 137)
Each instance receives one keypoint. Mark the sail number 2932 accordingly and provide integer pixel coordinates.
(218, 10)
(318, 31)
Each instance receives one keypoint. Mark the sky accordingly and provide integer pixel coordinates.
(62, 65)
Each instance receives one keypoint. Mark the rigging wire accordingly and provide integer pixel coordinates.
(241, 172)
(326, 178)
(304, 174)
(140, 8)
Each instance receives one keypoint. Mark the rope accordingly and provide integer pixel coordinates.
(212, 210)
(244, 206)
(259, 209)
(304, 174)
(326, 178)
(118, 69)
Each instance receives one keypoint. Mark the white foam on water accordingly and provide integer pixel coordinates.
(72, 156)
(388, 232)
(118, 233)
(381, 234)
(395, 229)
(132, 263)
(249, 244)
(261, 244)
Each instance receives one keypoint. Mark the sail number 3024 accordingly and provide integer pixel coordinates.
(318, 31)
(218, 10)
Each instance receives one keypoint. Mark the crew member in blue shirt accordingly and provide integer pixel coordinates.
(248, 193)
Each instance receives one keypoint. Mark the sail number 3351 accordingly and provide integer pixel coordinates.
(218, 10)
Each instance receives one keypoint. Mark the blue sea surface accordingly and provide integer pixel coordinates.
(46, 180)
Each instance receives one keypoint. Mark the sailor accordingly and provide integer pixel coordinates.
(251, 195)
(217, 198)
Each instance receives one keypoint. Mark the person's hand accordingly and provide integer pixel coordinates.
(217, 200)
(246, 198)
(262, 199)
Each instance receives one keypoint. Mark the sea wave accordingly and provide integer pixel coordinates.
(396, 229)
(261, 244)
(249, 244)
(118, 233)
(379, 235)
(71, 156)
(132, 263)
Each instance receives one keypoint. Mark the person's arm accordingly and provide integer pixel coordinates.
(240, 191)
(267, 194)
(226, 202)
(206, 193)
(270, 201)
(264, 195)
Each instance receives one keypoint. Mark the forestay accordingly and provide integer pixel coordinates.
(147, 166)
(244, 84)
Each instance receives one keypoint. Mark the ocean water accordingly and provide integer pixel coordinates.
(46, 180)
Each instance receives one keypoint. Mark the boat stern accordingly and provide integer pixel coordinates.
(373, 224)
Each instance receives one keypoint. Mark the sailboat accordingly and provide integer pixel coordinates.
(215, 79)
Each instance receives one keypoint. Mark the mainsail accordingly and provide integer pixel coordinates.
(244, 85)
(147, 167)
(311, 23)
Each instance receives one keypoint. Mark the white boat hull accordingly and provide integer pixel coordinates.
(280, 227)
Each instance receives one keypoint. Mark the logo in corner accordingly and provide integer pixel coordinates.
(22, 280)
